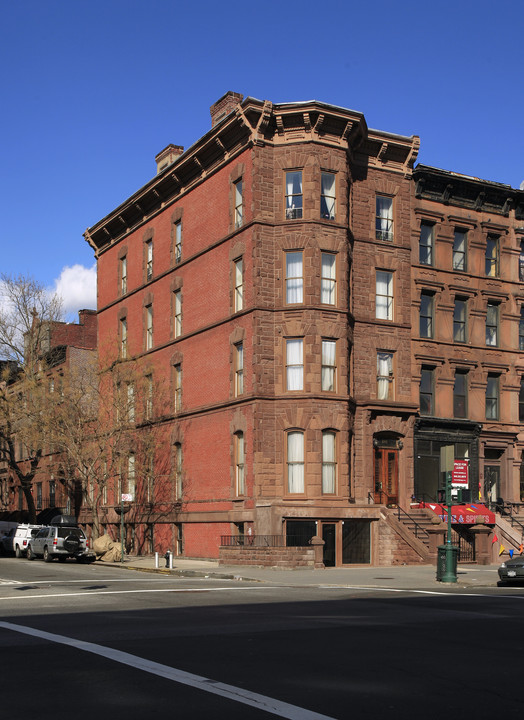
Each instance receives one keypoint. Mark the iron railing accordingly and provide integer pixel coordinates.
(419, 531)
(262, 541)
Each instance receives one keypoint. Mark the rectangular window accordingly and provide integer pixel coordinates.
(492, 324)
(123, 275)
(521, 404)
(149, 327)
(131, 475)
(150, 480)
(426, 244)
(123, 338)
(521, 329)
(427, 391)
(52, 493)
(460, 394)
(39, 496)
(329, 367)
(178, 242)
(492, 397)
(239, 284)
(384, 219)
(295, 462)
(149, 259)
(385, 386)
(460, 245)
(329, 463)
(426, 316)
(294, 278)
(238, 204)
(294, 364)
(293, 195)
(239, 464)
(328, 285)
(239, 369)
(384, 295)
(492, 256)
(149, 397)
(327, 196)
(178, 470)
(177, 369)
(177, 297)
(521, 261)
(130, 401)
(459, 321)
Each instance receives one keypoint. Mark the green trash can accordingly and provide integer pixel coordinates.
(447, 557)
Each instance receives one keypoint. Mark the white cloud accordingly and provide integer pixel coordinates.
(77, 288)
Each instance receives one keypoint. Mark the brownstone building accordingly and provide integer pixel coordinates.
(326, 318)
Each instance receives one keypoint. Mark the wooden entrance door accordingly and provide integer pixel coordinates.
(386, 476)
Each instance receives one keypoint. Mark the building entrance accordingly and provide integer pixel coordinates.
(386, 476)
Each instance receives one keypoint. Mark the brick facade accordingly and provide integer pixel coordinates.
(347, 430)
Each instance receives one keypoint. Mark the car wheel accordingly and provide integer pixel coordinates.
(30, 554)
(47, 555)
(18, 552)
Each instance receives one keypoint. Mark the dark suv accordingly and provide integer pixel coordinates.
(62, 539)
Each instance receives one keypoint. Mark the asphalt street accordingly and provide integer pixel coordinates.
(97, 641)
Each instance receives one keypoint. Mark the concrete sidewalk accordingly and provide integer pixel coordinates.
(405, 577)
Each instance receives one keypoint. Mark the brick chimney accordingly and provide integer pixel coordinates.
(167, 156)
(225, 105)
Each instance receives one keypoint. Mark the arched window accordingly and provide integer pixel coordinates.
(240, 483)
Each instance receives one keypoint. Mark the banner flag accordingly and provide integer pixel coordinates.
(502, 548)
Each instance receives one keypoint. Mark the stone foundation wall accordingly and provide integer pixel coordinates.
(279, 557)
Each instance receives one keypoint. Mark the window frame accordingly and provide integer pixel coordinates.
(297, 279)
(177, 387)
(149, 259)
(292, 212)
(329, 466)
(328, 283)
(521, 328)
(295, 463)
(427, 314)
(327, 213)
(294, 367)
(492, 324)
(386, 356)
(123, 337)
(460, 325)
(386, 235)
(492, 256)
(390, 295)
(328, 369)
(429, 392)
(178, 470)
(426, 243)
(238, 204)
(123, 274)
(238, 284)
(149, 326)
(459, 255)
(240, 464)
(238, 350)
(177, 313)
(492, 397)
(177, 241)
(460, 396)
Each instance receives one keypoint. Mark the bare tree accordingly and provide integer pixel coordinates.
(105, 429)
(27, 313)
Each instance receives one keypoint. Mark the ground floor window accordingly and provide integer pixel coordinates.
(356, 542)
(300, 532)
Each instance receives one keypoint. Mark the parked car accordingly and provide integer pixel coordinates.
(512, 570)
(61, 539)
(17, 539)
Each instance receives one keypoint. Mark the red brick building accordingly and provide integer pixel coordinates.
(269, 276)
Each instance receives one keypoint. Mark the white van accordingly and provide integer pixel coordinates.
(17, 539)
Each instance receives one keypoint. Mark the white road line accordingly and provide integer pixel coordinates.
(261, 702)
(87, 593)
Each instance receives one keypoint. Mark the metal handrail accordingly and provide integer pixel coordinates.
(418, 527)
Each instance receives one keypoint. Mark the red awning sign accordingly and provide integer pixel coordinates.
(463, 514)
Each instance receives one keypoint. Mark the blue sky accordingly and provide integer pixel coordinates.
(93, 90)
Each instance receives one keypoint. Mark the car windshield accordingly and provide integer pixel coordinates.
(64, 532)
